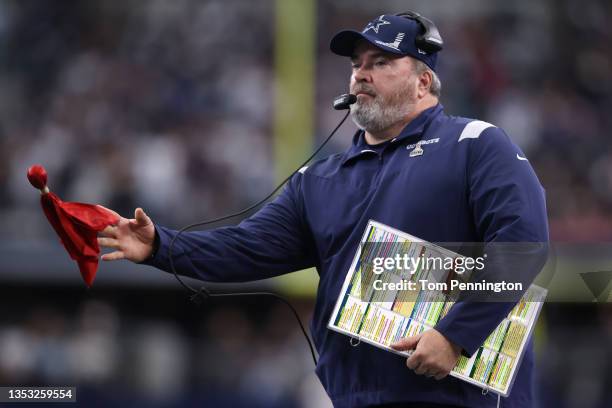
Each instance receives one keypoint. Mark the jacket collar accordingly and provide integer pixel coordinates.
(415, 128)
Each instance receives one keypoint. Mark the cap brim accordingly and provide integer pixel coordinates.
(345, 41)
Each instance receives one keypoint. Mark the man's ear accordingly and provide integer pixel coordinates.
(425, 80)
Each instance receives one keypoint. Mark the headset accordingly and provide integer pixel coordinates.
(430, 40)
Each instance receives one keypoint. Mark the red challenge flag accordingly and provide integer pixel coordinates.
(77, 224)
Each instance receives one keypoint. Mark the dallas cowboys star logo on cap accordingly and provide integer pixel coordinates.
(375, 25)
(397, 34)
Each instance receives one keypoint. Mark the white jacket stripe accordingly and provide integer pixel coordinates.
(473, 129)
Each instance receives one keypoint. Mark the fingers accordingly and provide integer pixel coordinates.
(109, 242)
(435, 375)
(440, 375)
(110, 231)
(408, 343)
(414, 361)
(428, 358)
(421, 368)
(113, 256)
(140, 218)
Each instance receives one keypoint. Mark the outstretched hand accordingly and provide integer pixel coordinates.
(433, 356)
(132, 239)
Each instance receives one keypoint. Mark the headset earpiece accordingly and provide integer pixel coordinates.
(430, 40)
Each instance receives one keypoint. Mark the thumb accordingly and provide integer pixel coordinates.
(141, 218)
(408, 343)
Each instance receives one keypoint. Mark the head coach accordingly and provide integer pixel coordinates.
(411, 166)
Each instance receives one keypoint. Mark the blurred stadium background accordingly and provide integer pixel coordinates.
(193, 108)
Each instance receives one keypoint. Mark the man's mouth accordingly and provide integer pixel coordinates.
(364, 93)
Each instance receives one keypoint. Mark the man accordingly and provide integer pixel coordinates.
(441, 178)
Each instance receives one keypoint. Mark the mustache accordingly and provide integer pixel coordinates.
(363, 89)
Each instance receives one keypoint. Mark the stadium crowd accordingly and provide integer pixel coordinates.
(169, 106)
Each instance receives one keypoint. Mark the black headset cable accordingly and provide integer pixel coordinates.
(198, 296)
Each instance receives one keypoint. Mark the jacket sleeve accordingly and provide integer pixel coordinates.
(509, 211)
(273, 241)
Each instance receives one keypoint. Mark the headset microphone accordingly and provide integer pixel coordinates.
(344, 101)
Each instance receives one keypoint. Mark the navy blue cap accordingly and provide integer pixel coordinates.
(390, 33)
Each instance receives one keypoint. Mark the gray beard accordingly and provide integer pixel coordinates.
(379, 114)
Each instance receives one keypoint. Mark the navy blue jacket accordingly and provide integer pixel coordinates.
(471, 184)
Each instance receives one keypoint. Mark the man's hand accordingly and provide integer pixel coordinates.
(433, 356)
(131, 238)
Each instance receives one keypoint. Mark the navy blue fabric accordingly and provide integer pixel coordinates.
(390, 33)
(473, 190)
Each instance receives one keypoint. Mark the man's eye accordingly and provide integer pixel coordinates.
(354, 65)
(380, 63)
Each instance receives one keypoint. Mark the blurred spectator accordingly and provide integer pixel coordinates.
(169, 105)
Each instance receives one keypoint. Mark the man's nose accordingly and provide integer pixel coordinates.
(362, 74)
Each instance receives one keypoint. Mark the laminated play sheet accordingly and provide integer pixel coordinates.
(399, 285)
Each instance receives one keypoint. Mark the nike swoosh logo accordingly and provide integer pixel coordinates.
(520, 158)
